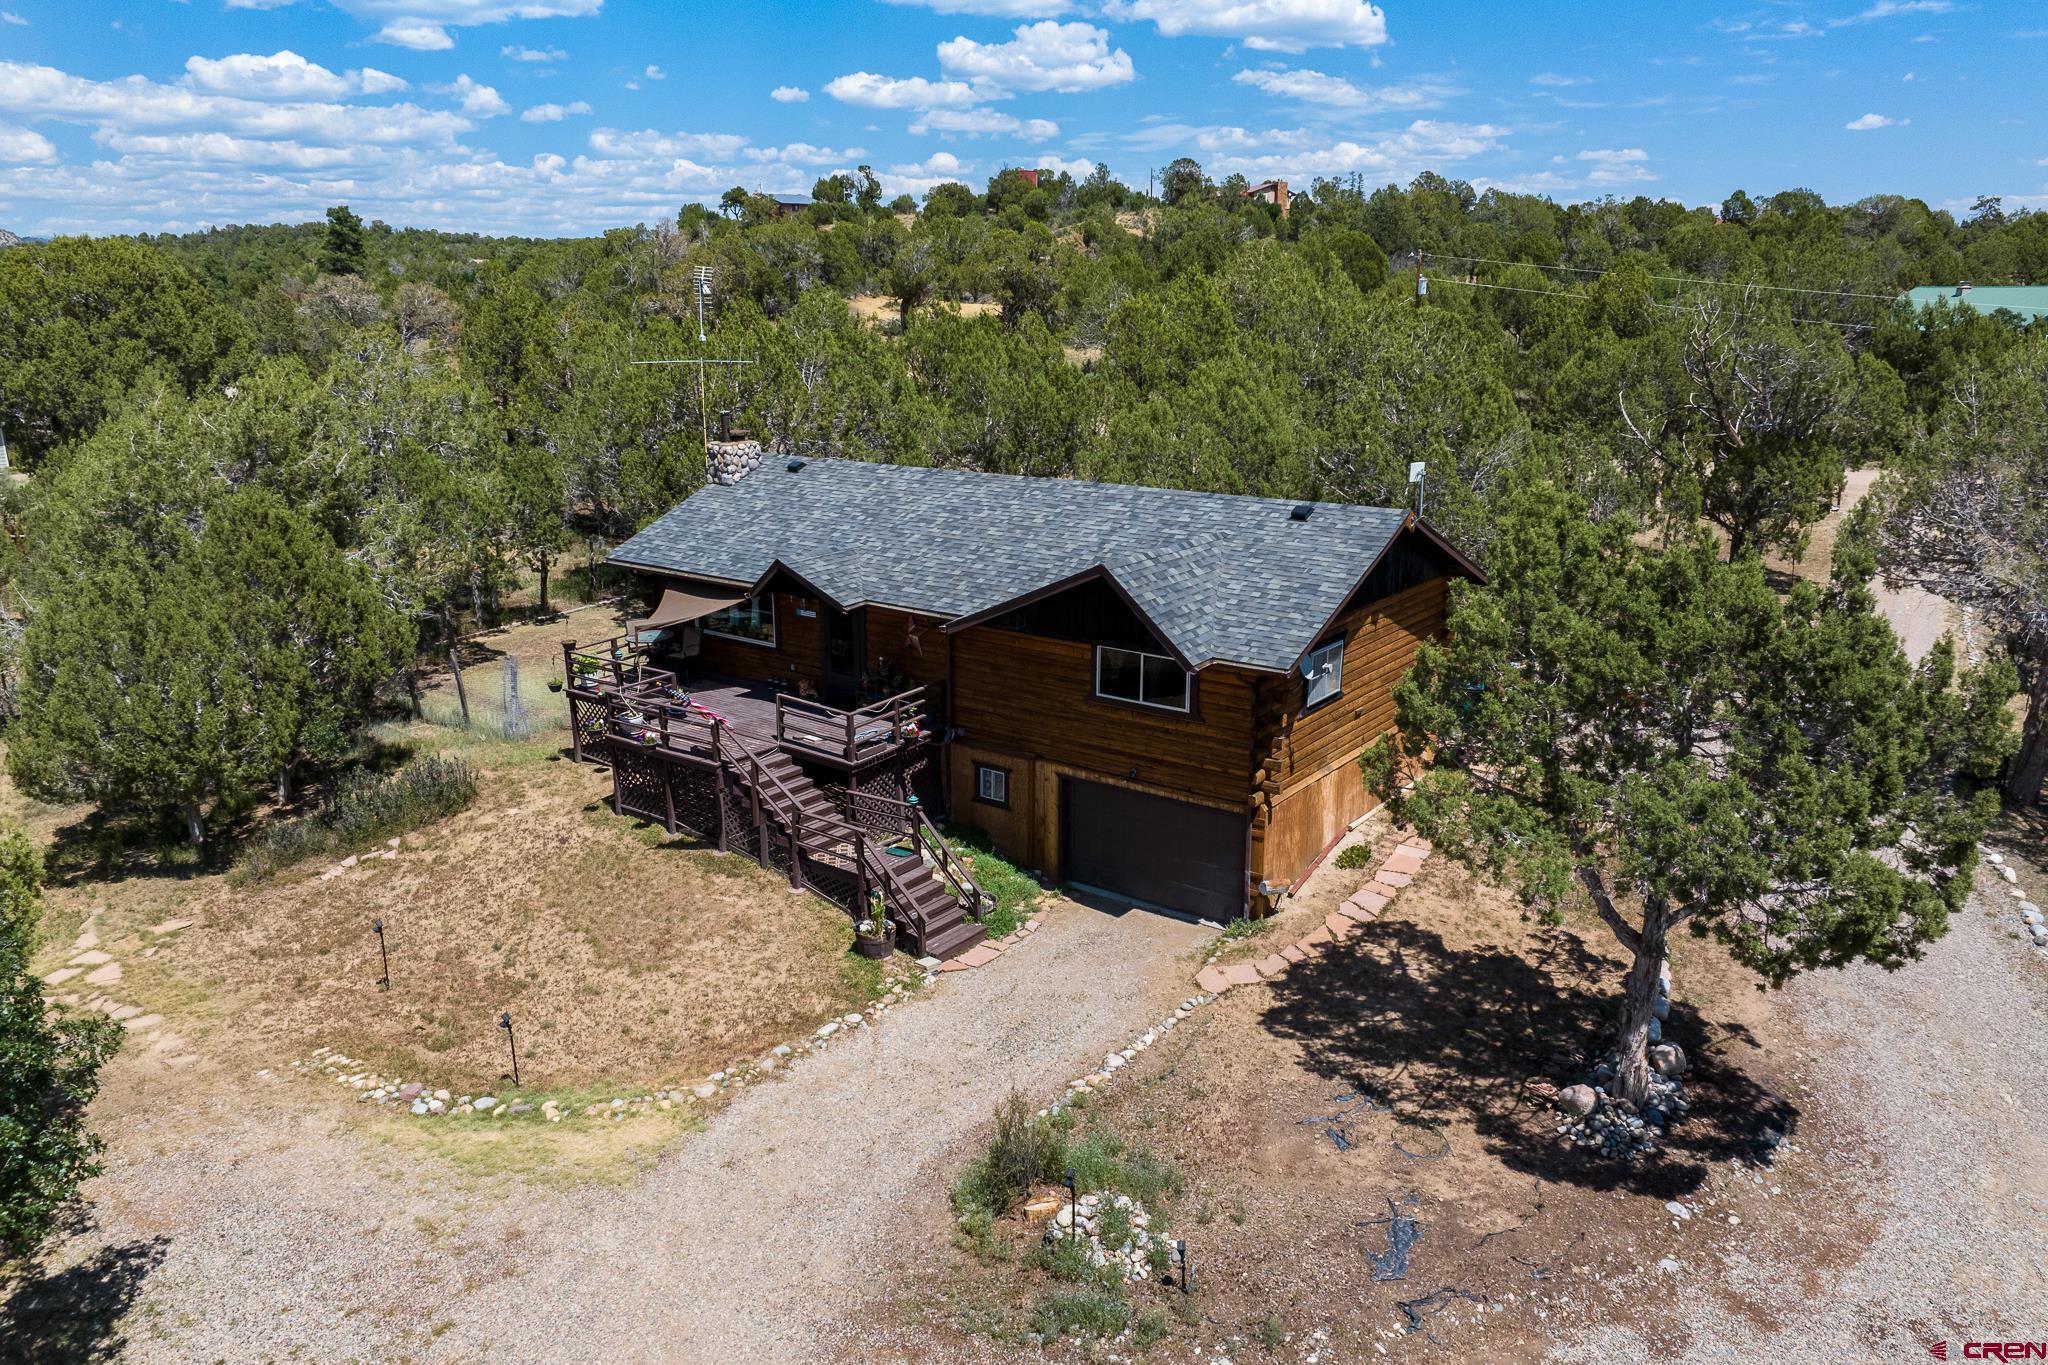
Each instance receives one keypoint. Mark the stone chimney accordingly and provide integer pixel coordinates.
(727, 462)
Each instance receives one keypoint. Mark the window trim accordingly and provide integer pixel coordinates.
(1187, 681)
(1308, 675)
(981, 768)
(774, 640)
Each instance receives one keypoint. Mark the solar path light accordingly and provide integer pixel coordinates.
(505, 1023)
(377, 928)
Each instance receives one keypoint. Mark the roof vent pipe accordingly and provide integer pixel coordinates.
(794, 465)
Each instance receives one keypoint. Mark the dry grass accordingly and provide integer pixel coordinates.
(622, 955)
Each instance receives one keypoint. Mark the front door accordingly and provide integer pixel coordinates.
(845, 655)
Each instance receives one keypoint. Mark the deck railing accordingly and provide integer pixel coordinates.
(852, 737)
(912, 823)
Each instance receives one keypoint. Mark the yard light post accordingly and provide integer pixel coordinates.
(505, 1023)
(1073, 1205)
(384, 953)
(1180, 1249)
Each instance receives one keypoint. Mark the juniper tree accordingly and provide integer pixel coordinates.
(1967, 518)
(1663, 737)
(49, 1071)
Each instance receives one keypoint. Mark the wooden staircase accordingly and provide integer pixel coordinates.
(932, 917)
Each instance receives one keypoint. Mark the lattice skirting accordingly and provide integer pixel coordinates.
(639, 779)
(835, 884)
(740, 834)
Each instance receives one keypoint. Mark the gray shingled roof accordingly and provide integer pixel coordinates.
(1223, 578)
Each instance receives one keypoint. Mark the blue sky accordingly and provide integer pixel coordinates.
(569, 116)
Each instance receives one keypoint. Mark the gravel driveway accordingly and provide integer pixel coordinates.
(272, 1233)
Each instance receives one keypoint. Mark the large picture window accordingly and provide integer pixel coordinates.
(752, 620)
(1147, 679)
(1324, 671)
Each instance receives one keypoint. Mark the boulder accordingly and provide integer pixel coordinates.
(483, 1103)
(1580, 1099)
(1660, 1008)
(1668, 1059)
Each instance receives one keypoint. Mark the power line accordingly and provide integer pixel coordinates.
(1674, 279)
(1668, 307)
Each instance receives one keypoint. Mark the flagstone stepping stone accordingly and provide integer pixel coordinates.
(1340, 926)
(1384, 890)
(88, 939)
(1213, 980)
(1415, 843)
(1356, 914)
(1400, 860)
(980, 955)
(170, 926)
(1386, 876)
(1371, 902)
(142, 1022)
(1240, 974)
(1293, 954)
(167, 1042)
(1315, 936)
(1271, 966)
(104, 976)
(92, 959)
(62, 975)
(125, 1011)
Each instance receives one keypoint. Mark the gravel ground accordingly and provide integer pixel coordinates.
(1928, 1090)
(237, 1227)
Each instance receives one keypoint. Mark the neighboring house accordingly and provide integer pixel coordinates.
(786, 204)
(1272, 192)
(1159, 694)
(2029, 301)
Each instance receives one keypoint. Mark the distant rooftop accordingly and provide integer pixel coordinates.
(2030, 301)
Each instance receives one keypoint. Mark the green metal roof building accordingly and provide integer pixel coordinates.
(2030, 301)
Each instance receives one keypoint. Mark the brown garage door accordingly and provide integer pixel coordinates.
(1152, 849)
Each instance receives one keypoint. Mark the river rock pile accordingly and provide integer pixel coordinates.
(731, 461)
(2030, 914)
(1132, 1256)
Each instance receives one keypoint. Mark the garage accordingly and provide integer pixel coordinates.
(1152, 848)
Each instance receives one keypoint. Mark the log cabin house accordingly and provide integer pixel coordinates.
(1155, 694)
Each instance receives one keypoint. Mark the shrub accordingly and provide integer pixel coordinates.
(364, 808)
(1355, 857)
(1151, 1327)
(1089, 1310)
(1021, 1151)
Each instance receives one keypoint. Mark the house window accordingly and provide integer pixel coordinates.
(1324, 670)
(1147, 679)
(752, 620)
(992, 784)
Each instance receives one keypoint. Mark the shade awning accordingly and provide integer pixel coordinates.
(678, 605)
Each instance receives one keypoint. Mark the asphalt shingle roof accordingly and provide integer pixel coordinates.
(1223, 578)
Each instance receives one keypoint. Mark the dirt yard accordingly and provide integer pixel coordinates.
(1392, 1075)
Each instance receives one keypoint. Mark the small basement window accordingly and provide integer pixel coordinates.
(992, 784)
(752, 620)
(1324, 670)
(1147, 679)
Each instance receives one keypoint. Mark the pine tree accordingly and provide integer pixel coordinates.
(343, 250)
(1663, 737)
(49, 1071)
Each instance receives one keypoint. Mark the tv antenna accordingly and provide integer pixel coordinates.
(700, 285)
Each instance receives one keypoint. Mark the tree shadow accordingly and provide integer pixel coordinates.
(79, 1313)
(1449, 1035)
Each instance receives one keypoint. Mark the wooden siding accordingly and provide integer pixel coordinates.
(1027, 703)
(890, 645)
(799, 650)
(1307, 788)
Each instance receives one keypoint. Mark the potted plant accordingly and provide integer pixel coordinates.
(555, 681)
(875, 937)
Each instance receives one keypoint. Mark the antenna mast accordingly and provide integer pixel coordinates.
(700, 285)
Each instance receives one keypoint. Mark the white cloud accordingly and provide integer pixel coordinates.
(283, 75)
(1616, 165)
(1002, 9)
(789, 94)
(1871, 121)
(476, 97)
(1552, 78)
(1891, 9)
(654, 73)
(134, 102)
(1335, 92)
(8, 16)
(24, 145)
(1080, 167)
(554, 113)
(1044, 56)
(909, 92)
(981, 123)
(417, 34)
(533, 54)
(648, 144)
(1267, 25)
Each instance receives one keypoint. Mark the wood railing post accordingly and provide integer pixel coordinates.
(760, 819)
(852, 753)
(718, 774)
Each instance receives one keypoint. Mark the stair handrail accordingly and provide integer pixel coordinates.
(918, 826)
